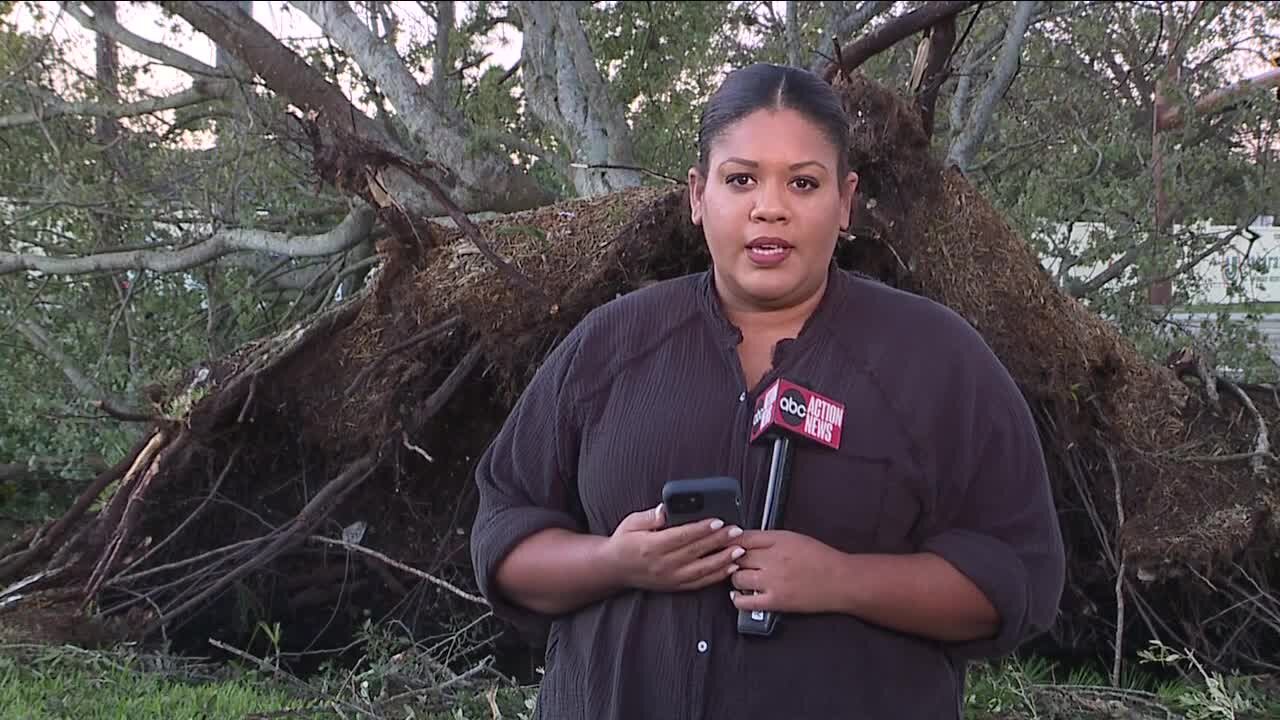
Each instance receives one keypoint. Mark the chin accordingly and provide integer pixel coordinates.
(770, 290)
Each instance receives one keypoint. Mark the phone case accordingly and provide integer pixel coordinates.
(694, 499)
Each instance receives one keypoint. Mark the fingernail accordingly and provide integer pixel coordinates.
(733, 569)
(733, 594)
(735, 532)
(717, 524)
(737, 553)
(657, 512)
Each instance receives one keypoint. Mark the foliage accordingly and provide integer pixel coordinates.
(1070, 143)
(662, 62)
(161, 185)
(65, 682)
(1220, 698)
(1033, 687)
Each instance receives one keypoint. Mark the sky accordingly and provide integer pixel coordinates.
(286, 22)
(145, 19)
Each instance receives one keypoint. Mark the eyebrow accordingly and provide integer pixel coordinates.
(754, 164)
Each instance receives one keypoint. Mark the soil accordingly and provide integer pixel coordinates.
(284, 416)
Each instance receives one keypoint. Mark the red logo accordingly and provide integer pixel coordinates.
(800, 411)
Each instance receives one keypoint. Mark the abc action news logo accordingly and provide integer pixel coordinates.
(798, 410)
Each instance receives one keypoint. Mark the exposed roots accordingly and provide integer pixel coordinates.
(365, 422)
(1262, 445)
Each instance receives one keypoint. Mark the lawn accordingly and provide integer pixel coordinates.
(39, 683)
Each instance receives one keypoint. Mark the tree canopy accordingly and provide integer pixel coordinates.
(165, 206)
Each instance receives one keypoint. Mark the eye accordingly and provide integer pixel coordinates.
(806, 183)
(738, 179)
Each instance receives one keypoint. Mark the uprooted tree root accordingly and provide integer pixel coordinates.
(323, 476)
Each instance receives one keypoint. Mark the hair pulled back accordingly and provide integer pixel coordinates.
(764, 86)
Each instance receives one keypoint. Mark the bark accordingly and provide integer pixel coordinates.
(440, 130)
(962, 98)
(414, 375)
(965, 146)
(349, 233)
(445, 84)
(845, 21)
(933, 56)
(52, 107)
(107, 25)
(217, 309)
(1171, 118)
(287, 74)
(566, 91)
(107, 228)
(854, 54)
(793, 33)
(848, 22)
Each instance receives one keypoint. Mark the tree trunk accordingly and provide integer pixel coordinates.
(567, 92)
(386, 394)
(107, 228)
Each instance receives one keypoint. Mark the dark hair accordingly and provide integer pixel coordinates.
(765, 86)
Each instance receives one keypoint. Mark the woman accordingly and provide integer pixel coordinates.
(927, 538)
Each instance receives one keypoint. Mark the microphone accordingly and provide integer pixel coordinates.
(786, 413)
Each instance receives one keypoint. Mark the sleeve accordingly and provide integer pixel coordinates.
(995, 519)
(525, 478)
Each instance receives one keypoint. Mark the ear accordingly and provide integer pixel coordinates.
(696, 188)
(848, 190)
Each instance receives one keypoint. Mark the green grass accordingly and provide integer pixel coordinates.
(64, 683)
(70, 683)
(1025, 689)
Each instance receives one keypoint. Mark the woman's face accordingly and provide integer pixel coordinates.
(771, 208)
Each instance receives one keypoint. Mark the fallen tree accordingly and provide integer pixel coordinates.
(323, 476)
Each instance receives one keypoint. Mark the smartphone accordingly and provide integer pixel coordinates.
(693, 499)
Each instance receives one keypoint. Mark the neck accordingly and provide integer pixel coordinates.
(786, 319)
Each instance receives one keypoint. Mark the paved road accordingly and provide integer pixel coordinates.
(1269, 325)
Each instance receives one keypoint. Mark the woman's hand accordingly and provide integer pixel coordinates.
(787, 572)
(649, 556)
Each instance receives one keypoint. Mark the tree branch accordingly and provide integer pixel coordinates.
(154, 50)
(855, 17)
(565, 90)
(1174, 117)
(514, 142)
(287, 74)
(851, 23)
(1130, 256)
(380, 61)
(54, 107)
(40, 341)
(886, 36)
(351, 231)
(938, 47)
(1109, 273)
(444, 133)
(284, 71)
(965, 146)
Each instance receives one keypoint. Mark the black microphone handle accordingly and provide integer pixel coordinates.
(776, 493)
(763, 622)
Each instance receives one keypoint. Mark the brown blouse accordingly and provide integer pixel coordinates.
(939, 453)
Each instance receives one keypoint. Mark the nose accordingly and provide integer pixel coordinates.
(770, 205)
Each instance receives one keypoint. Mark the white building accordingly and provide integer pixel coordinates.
(1252, 258)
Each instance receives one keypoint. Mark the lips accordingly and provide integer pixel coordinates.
(769, 243)
(768, 251)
